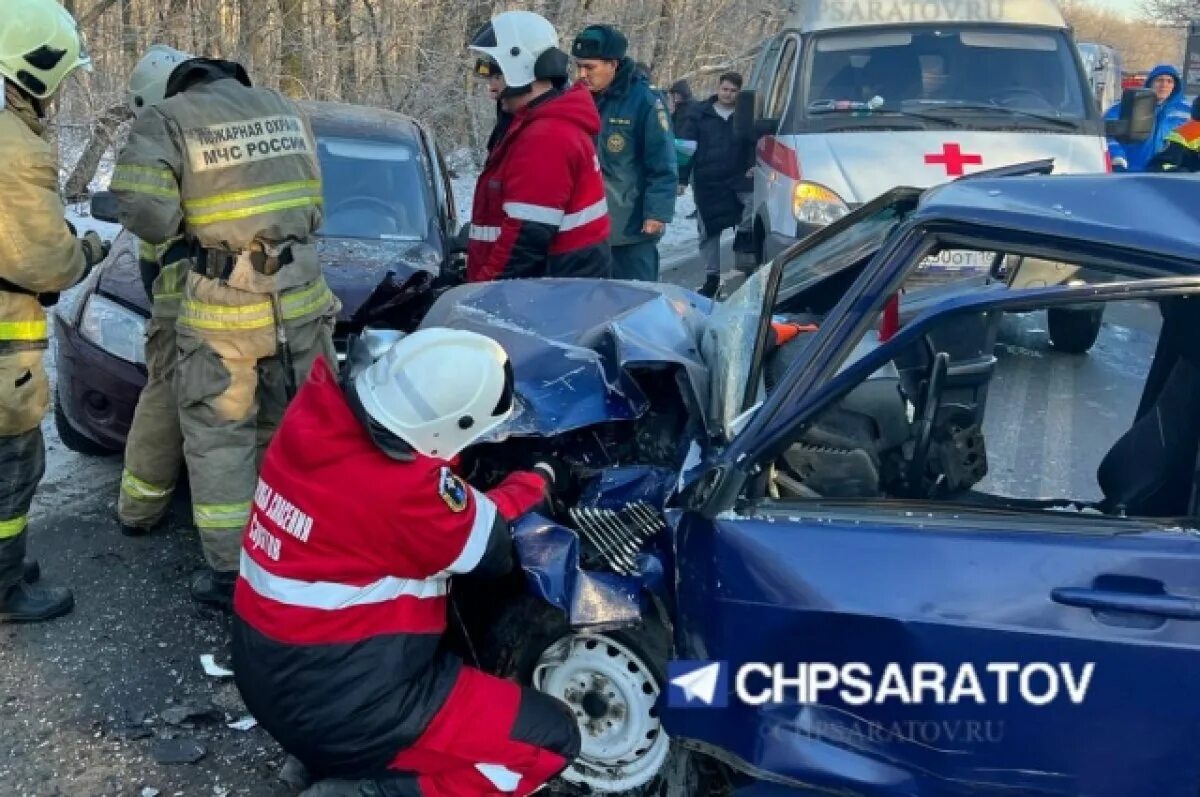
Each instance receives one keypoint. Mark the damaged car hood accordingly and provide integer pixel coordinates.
(574, 344)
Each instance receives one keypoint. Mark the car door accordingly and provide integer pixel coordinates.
(1107, 609)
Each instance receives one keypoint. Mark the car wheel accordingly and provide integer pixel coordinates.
(611, 682)
(1074, 330)
(72, 438)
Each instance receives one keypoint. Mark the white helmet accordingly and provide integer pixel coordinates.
(525, 47)
(439, 390)
(39, 46)
(148, 82)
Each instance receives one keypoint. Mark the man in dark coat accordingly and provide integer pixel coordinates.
(719, 171)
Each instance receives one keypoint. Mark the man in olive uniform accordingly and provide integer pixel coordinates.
(233, 169)
(154, 447)
(636, 149)
(39, 256)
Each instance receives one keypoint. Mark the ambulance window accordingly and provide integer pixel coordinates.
(781, 92)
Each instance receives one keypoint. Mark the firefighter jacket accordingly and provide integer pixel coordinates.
(1182, 153)
(232, 169)
(539, 207)
(38, 252)
(637, 155)
(341, 597)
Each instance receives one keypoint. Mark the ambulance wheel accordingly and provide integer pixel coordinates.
(1074, 330)
(611, 682)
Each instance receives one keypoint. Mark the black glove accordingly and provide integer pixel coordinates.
(445, 280)
(149, 271)
(48, 299)
(557, 473)
(71, 227)
(94, 248)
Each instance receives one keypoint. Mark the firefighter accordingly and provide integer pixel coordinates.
(359, 523)
(40, 255)
(232, 169)
(539, 208)
(154, 447)
(1182, 152)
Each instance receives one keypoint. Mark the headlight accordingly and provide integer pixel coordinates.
(116, 329)
(813, 203)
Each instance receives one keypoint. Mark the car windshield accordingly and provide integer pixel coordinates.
(373, 189)
(728, 344)
(946, 76)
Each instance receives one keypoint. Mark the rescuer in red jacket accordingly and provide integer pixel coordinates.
(358, 524)
(539, 208)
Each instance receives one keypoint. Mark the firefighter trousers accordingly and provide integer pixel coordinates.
(233, 388)
(154, 447)
(492, 738)
(24, 399)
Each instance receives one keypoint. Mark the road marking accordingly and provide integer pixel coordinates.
(1057, 448)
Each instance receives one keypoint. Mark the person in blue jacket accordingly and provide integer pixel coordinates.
(1173, 111)
(636, 148)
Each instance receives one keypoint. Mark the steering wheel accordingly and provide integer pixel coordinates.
(366, 201)
(1013, 95)
(929, 407)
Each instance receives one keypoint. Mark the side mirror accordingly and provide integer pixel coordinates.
(749, 124)
(458, 244)
(104, 207)
(1136, 121)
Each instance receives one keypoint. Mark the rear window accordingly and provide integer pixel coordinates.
(921, 68)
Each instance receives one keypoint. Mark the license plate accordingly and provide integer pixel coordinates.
(952, 264)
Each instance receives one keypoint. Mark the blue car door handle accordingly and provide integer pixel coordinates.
(1173, 606)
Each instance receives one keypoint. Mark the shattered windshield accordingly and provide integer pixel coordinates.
(373, 189)
(729, 337)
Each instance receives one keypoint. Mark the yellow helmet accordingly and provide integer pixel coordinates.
(40, 45)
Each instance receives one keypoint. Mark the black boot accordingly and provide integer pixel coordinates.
(31, 571)
(23, 603)
(215, 588)
(712, 284)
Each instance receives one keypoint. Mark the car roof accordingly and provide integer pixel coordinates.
(1151, 213)
(359, 121)
(820, 15)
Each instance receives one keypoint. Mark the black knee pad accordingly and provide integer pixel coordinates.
(548, 723)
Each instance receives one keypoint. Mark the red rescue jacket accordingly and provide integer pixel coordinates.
(341, 597)
(539, 207)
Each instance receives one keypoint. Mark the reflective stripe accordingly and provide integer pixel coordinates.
(23, 330)
(141, 490)
(539, 213)
(501, 776)
(11, 528)
(485, 234)
(145, 180)
(329, 596)
(221, 516)
(306, 301)
(232, 206)
(301, 303)
(256, 210)
(586, 216)
(253, 193)
(477, 540)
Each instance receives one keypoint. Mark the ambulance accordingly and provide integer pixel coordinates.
(854, 97)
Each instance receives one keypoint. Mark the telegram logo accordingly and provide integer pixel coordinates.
(698, 684)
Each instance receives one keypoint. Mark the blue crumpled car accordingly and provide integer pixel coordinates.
(748, 501)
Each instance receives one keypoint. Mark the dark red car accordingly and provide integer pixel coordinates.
(388, 207)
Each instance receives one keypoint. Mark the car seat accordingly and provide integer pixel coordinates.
(1150, 470)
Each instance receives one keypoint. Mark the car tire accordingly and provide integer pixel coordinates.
(1073, 330)
(72, 438)
(530, 627)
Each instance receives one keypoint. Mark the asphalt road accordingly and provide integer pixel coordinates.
(87, 702)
